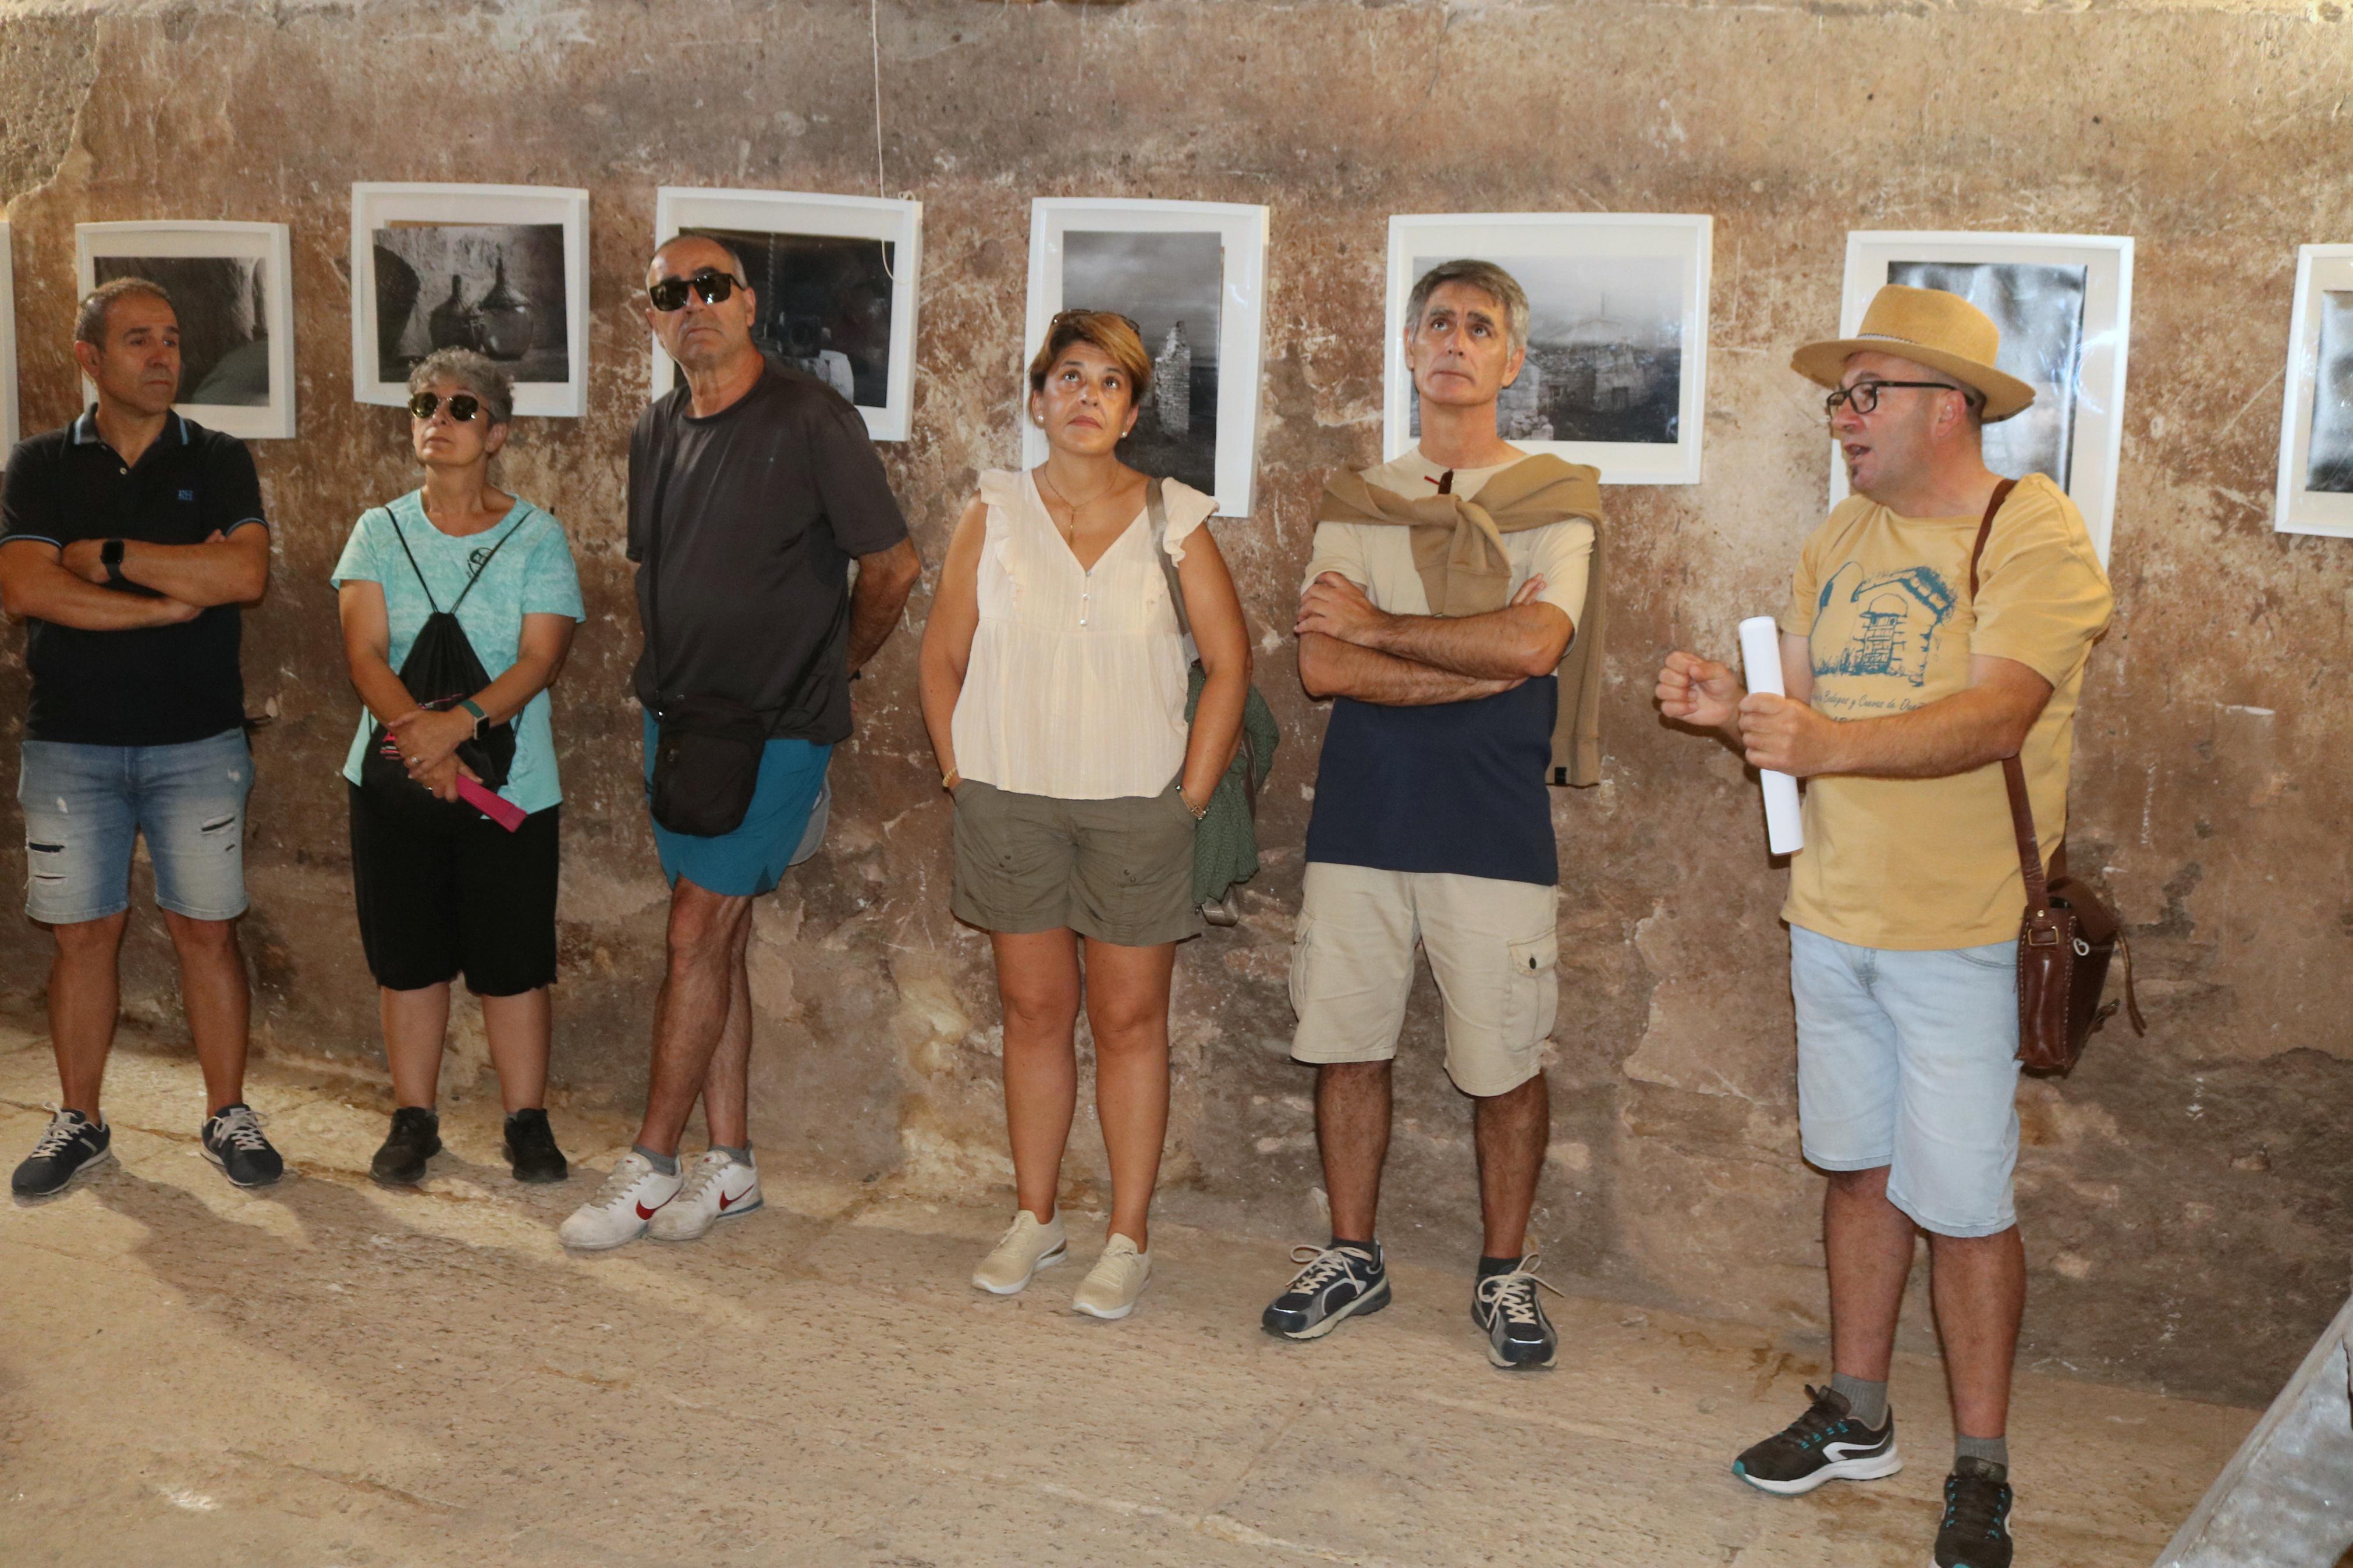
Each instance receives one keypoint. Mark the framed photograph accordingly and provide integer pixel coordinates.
(1615, 374)
(2064, 302)
(8, 436)
(499, 269)
(2315, 451)
(232, 287)
(1192, 276)
(834, 280)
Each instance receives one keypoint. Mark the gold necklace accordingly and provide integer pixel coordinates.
(1070, 529)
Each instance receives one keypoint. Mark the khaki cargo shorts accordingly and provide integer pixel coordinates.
(1492, 946)
(1117, 871)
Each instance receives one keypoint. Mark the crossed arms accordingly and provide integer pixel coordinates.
(1349, 647)
(67, 586)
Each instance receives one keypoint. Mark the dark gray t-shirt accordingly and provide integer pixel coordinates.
(760, 509)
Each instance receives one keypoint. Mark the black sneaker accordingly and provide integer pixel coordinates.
(530, 1148)
(233, 1141)
(1976, 1531)
(414, 1138)
(1520, 1337)
(71, 1145)
(1337, 1283)
(1825, 1444)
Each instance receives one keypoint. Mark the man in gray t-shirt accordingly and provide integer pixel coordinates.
(752, 488)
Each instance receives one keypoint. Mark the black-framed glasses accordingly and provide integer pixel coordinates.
(1062, 316)
(463, 406)
(1864, 395)
(669, 293)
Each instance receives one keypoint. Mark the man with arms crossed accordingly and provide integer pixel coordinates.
(1904, 695)
(1445, 588)
(129, 540)
(752, 487)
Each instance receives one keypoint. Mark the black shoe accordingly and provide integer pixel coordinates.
(71, 1145)
(530, 1148)
(1825, 1444)
(414, 1138)
(233, 1141)
(1520, 1337)
(1338, 1283)
(1976, 1531)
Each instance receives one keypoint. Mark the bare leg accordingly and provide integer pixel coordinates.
(727, 1082)
(213, 991)
(83, 1001)
(1127, 1007)
(706, 931)
(519, 1028)
(1352, 1131)
(1868, 1241)
(1038, 986)
(1513, 1129)
(1979, 1283)
(415, 1025)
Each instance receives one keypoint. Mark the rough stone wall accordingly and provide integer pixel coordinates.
(2184, 1195)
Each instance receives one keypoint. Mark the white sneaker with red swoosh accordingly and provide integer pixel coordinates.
(630, 1196)
(718, 1186)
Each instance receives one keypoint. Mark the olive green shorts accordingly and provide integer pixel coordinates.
(1117, 871)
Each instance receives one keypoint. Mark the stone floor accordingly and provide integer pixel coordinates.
(324, 1374)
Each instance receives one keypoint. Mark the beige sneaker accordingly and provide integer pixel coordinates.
(1118, 1277)
(1024, 1248)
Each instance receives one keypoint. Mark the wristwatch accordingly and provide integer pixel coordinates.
(109, 555)
(481, 718)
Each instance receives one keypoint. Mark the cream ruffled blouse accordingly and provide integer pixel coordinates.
(1076, 684)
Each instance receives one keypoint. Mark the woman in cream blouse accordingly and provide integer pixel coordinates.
(1054, 681)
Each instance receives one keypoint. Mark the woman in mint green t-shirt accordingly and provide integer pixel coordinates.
(445, 887)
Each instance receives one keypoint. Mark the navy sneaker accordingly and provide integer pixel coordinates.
(1825, 1444)
(72, 1144)
(1976, 1531)
(1337, 1283)
(1520, 1337)
(233, 1141)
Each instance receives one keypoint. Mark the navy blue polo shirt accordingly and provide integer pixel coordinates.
(152, 686)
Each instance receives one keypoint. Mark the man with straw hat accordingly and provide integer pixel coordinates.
(1906, 689)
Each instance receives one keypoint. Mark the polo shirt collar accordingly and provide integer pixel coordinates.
(85, 430)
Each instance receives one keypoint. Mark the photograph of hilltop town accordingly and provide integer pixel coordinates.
(1169, 285)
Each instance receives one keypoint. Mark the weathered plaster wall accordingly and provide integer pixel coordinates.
(2185, 1195)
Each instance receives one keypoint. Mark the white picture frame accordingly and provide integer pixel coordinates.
(1602, 372)
(2315, 490)
(9, 434)
(1149, 260)
(804, 244)
(2084, 426)
(232, 286)
(538, 329)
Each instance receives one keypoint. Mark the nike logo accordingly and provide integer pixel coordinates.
(645, 1213)
(726, 1203)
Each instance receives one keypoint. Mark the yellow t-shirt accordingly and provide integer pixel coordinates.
(1915, 864)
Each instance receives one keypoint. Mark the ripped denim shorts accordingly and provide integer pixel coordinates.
(85, 805)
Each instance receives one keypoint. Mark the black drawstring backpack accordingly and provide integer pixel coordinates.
(440, 672)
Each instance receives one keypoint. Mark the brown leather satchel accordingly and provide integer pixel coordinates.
(2068, 933)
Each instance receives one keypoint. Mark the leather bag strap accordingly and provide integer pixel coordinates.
(2013, 772)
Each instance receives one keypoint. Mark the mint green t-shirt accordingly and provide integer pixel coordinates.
(531, 575)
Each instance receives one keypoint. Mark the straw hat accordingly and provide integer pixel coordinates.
(1930, 327)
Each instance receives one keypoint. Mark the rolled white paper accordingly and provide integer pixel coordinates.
(1760, 655)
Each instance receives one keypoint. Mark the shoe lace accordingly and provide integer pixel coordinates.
(1324, 1265)
(1974, 1506)
(1820, 1416)
(701, 1174)
(1514, 1295)
(240, 1127)
(626, 1173)
(65, 1126)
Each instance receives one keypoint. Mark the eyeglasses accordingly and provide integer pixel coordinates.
(1864, 395)
(1062, 316)
(462, 407)
(669, 293)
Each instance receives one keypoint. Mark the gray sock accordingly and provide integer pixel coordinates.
(741, 1157)
(666, 1163)
(1992, 1450)
(1866, 1401)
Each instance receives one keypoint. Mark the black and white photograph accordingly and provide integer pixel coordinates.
(2063, 303)
(1616, 352)
(834, 284)
(227, 286)
(1191, 275)
(2315, 492)
(7, 342)
(501, 269)
(2328, 457)
(2040, 311)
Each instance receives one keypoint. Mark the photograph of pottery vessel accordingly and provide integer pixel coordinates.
(498, 288)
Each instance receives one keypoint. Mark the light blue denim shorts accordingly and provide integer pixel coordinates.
(1910, 1060)
(84, 805)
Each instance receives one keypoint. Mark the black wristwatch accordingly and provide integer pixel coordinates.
(109, 555)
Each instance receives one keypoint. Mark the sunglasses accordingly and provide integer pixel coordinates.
(669, 293)
(463, 406)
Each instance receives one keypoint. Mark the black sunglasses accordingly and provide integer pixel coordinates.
(463, 406)
(669, 294)
(1864, 395)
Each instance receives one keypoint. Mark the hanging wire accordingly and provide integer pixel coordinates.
(874, 34)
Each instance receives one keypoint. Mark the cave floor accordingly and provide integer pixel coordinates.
(327, 1373)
